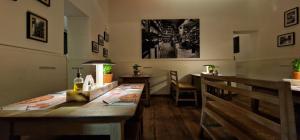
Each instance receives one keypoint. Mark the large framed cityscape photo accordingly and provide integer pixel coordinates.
(170, 38)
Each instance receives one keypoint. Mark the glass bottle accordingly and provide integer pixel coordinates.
(78, 82)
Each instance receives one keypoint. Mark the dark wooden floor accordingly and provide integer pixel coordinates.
(165, 121)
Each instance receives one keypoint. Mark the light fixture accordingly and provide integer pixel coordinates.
(99, 69)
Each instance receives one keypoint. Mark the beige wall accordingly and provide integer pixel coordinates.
(218, 20)
(30, 68)
(23, 60)
(263, 59)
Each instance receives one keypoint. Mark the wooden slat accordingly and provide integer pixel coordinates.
(287, 116)
(238, 133)
(250, 82)
(243, 112)
(243, 122)
(258, 127)
(251, 94)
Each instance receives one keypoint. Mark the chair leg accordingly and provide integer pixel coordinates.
(177, 97)
(203, 117)
(171, 90)
(196, 98)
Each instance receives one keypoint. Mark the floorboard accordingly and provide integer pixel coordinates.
(165, 121)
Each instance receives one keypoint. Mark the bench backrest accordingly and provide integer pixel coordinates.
(281, 96)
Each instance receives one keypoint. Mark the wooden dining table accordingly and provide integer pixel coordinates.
(129, 78)
(69, 118)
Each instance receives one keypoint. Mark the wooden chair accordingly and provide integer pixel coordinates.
(181, 88)
(234, 121)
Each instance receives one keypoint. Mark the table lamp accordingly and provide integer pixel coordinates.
(99, 69)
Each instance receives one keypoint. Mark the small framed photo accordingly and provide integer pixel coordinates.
(286, 39)
(45, 2)
(105, 52)
(100, 40)
(106, 36)
(95, 47)
(37, 27)
(291, 17)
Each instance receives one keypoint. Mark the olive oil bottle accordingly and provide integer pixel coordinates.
(78, 82)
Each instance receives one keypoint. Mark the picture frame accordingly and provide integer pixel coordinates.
(106, 36)
(286, 39)
(45, 2)
(37, 27)
(105, 52)
(291, 17)
(95, 47)
(100, 40)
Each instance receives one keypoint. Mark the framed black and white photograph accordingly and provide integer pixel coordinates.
(105, 52)
(95, 47)
(291, 17)
(45, 2)
(37, 27)
(170, 38)
(286, 39)
(100, 40)
(106, 36)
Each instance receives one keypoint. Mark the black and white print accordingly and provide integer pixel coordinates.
(37, 27)
(95, 47)
(291, 17)
(286, 39)
(170, 38)
(100, 40)
(105, 52)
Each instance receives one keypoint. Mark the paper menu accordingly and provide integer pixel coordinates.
(38, 103)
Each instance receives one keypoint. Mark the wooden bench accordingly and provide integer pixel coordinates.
(231, 121)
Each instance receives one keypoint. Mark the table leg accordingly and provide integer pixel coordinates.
(117, 131)
(255, 105)
(5, 131)
(255, 102)
(147, 84)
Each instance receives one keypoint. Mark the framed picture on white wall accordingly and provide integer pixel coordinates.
(37, 27)
(100, 40)
(291, 17)
(95, 47)
(286, 39)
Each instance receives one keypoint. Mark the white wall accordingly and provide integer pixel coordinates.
(267, 61)
(81, 31)
(23, 60)
(218, 20)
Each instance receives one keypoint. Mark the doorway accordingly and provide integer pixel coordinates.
(244, 45)
(244, 50)
(76, 37)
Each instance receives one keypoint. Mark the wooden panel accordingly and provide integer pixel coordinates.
(250, 82)
(245, 113)
(248, 122)
(255, 95)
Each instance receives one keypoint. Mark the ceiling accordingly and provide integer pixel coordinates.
(72, 11)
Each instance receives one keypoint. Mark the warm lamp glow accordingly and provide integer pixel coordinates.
(99, 69)
(99, 75)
